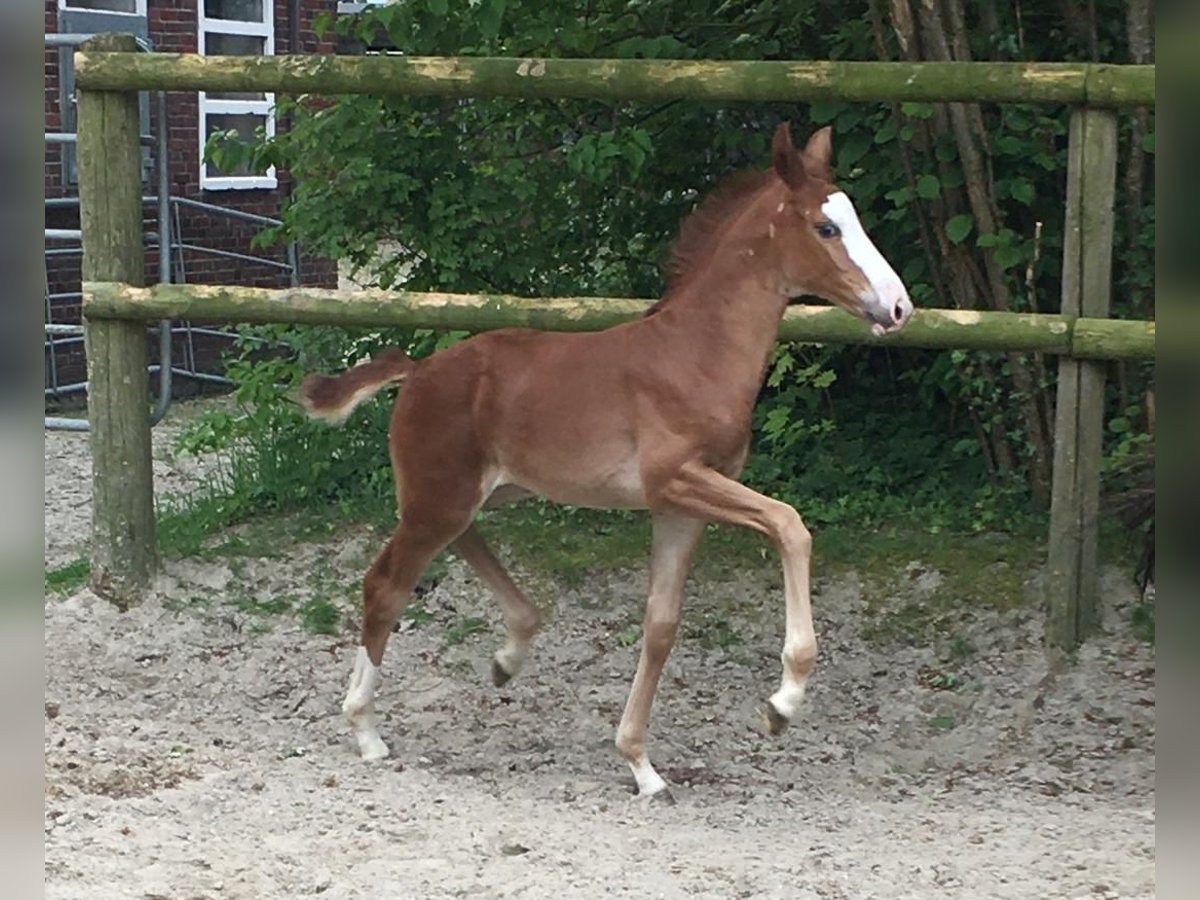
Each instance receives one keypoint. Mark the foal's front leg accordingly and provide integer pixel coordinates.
(699, 491)
(674, 544)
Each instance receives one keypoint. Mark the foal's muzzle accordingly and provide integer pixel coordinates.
(889, 309)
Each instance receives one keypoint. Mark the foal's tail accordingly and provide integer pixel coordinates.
(333, 397)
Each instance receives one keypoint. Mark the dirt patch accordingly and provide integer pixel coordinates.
(69, 480)
(194, 746)
(132, 775)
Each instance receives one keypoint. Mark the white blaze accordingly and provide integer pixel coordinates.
(885, 284)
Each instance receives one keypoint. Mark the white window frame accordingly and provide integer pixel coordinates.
(350, 7)
(139, 9)
(264, 107)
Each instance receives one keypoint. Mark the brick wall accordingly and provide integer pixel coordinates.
(173, 29)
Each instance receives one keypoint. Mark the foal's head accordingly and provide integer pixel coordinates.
(822, 248)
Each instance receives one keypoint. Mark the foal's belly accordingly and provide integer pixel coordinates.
(583, 481)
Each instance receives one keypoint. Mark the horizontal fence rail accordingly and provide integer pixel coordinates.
(1093, 84)
(1081, 338)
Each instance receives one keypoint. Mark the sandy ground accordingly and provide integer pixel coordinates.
(194, 747)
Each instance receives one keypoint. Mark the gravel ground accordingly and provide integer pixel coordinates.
(194, 747)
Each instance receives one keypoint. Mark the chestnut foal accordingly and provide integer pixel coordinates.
(650, 414)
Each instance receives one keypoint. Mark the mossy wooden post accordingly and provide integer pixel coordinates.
(1073, 579)
(110, 210)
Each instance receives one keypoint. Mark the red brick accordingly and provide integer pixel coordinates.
(172, 26)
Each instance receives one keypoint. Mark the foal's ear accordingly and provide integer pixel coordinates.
(818, 155)
(784, 158)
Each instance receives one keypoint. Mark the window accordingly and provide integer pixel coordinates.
(96, 17)
(234, 28)
(120, 7)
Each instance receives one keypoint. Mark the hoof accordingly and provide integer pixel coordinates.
(775, 722)
(661, 798)
(372, 748)
(499, 676)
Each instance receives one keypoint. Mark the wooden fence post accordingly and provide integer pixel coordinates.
(1073, 580)
(110, 210)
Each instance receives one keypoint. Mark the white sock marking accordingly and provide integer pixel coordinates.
(649, 782)
(511, 657)
(788, 698)
(359, 707)
(790, 695)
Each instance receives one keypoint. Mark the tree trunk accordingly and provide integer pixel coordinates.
(1138, 14)
(946, 30)
(1140, 34)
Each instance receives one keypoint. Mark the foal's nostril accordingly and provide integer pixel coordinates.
(898, 312)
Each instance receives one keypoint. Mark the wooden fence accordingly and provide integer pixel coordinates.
(116, 305)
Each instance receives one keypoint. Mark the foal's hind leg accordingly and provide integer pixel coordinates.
(521, 618)
(674, 544)
(387, 589)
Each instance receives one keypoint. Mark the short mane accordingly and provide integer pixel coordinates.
(700, 227)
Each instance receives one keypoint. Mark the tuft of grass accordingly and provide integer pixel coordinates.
(69, 578)
(713, 630)
(1141, 620)
(437, 569)
(272, 606)
(565, 544)
(320, 616)
(417, 613)
(629, 636)
(183, 525)
(186, 526)
(939, 680)
(959, 648)
(978, 571)
(463, 628)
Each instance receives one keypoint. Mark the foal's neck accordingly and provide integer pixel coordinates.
(726, 319)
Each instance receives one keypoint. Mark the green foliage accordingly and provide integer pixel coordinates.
(554, 197)
(712, 630)
(464, 628)
(881, 442)
(68, 578)
(274, 458)
(320, 616)
(629, 635)
(258, 606)
(418, 614)
(959, 227)
(1141, 620)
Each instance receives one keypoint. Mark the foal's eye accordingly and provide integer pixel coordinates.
(828, 230)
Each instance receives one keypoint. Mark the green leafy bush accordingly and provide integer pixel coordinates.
(574, 197)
